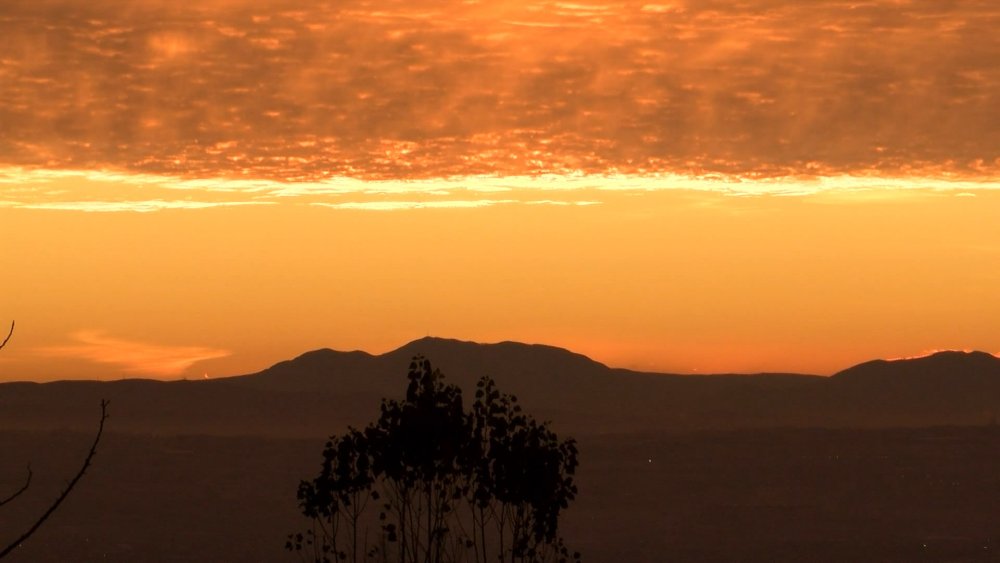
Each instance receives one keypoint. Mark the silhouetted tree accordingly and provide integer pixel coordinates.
(69, 487)
(444, 485)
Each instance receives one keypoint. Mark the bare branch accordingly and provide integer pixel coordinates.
(27, 483)
(10, 332)
(83, 469)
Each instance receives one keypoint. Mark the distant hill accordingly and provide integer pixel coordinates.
(462, 362)
(554, 383)
(319, 392)
(935, 369)
(954, 386)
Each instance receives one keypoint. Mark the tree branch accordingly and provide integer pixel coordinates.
(10, 332)
(83, 469)
(27, 483)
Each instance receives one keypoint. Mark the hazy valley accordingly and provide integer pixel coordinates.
(886, 461)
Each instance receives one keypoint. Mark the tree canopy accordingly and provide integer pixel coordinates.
(430, 482)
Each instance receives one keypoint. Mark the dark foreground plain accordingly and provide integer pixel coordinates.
(885, 461)
(752, 495)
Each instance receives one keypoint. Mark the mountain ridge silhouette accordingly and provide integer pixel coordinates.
(966, 361)
(320, 390)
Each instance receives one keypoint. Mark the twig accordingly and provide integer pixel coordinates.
(83, 469)
(27, 483)
(10, 332)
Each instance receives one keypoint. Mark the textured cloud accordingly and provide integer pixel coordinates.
(305, 91)
(134, 357)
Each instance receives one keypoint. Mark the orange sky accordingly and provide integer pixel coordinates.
(680, 186)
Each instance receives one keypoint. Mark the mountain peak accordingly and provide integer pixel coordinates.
(435, 346)
(323, 354)
(975, 355)
(945, 363)
(530, 365)
(435, 341)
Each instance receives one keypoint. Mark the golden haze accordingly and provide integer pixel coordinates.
(674, 280)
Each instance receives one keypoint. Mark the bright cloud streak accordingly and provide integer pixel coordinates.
(109, 191)
(398, 205)
(118, 206)
(449, 204)
(139, 358)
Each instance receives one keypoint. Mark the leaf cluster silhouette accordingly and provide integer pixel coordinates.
(430, 482)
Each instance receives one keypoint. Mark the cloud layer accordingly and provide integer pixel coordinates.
(306, 91)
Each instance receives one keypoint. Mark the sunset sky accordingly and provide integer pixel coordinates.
(206, 188)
